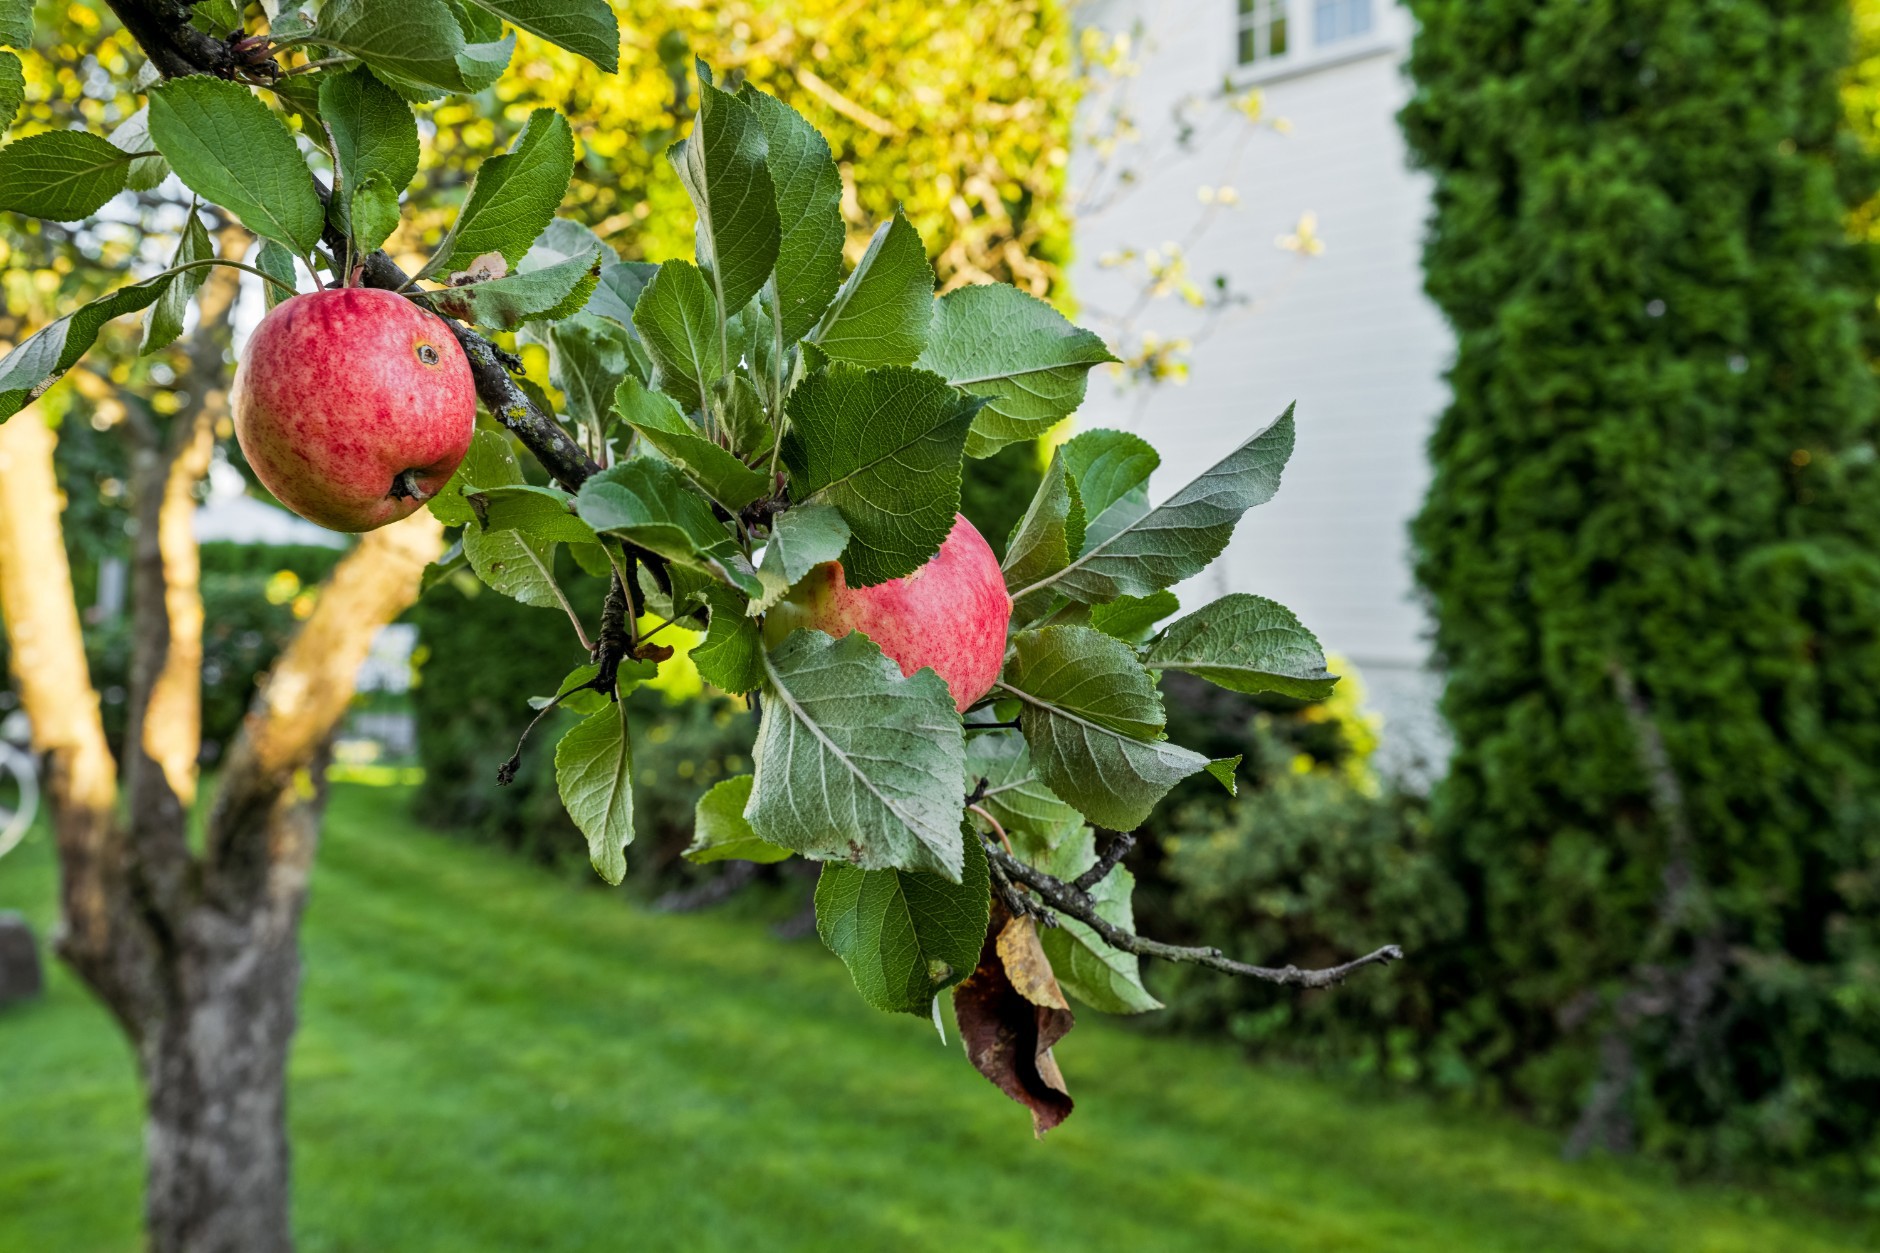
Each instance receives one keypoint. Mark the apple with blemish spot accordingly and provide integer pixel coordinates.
(951, 614)
(354, 406)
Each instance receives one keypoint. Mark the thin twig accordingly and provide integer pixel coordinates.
(1068, 899)
(1119, 847)
(993, 823)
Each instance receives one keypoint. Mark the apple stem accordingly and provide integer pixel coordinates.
(405, 487)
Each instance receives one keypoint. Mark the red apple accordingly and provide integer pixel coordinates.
(354, 406)
(951, 614)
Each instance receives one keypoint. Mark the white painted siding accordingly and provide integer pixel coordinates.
(1348, 334)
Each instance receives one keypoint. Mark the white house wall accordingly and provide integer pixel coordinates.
(1348, 334)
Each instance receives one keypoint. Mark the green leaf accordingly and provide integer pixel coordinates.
(731, 656)
(685, 602)
(584, 27)
(619, 289)
(881, 312)
(544, 514)
(660, 423)
(800, 540)
(61, 175)
(1104, 978)
(489, 462)
(1093, 718)
(503, 304)
(649, 502)
(809, 206)
(678, 321)
(513, 197)
(1181, 536)
(12, 88)
(374, 214)
(1048, 536)
(1132, 618)
(1222, 770)
(719, 831)
(272, 259)
(883, 446)
(416, 47)
(594, 770)
(574, 694)
(441, 569)
(1017, 351)
(16, 23)
(721, 164)
(905, 936)
(44, 357)
(1112, 470)
(514, 563)
(855, 762)
(742, 411)
(587, 359)
(1245, 644)
(233, 151)
(165, 321)
(216, 17)
(374, 137)
(1033, 816)
(133, 135)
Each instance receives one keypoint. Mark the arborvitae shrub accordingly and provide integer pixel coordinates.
(1652, 547)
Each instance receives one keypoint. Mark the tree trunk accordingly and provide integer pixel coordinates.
(214, 1071)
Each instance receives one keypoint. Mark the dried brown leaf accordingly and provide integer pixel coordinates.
(1008, 1033)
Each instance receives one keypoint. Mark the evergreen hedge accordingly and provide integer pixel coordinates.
(1652, 547)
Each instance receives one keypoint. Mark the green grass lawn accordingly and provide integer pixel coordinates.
(492, 1058)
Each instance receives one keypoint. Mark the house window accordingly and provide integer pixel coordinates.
(1261, 30)
(1333, 20)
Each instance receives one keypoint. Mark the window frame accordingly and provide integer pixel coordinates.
(1304, 53)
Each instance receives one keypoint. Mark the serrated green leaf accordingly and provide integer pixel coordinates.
(1222, 769)
(373, 216)
(416, 47)
(1106, 979)
(800, 540)
(513, 197)
(274, 260)
(441, 569)
(660, 423)
(1029, 362)
(719, 831)
(1178, 538)
(742, 411)
(684, 602)
(721, 164)
(881, 312)
(855, 762)
(594, 770)
(809, 207)
(677, 318)
(650, 502)
(215, 17)
(1132, 619)
(905, 936)
(587, 359)
(1245, 644)
(1093, 718)
(532, 296)
(44, 357)
(544, 514)
(883, 446)
(235, 152)
(1047, 537)
(619, 290)
(1033, 816)
(574, 694)
(133, 135)
(731, 656)
(165, 320)
(513, 563)
(13, 89)
(586, 28)
(561, 240)
(489, 462)
(375, 137)
(16, 23)
(1111, 469)
(61, 175)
